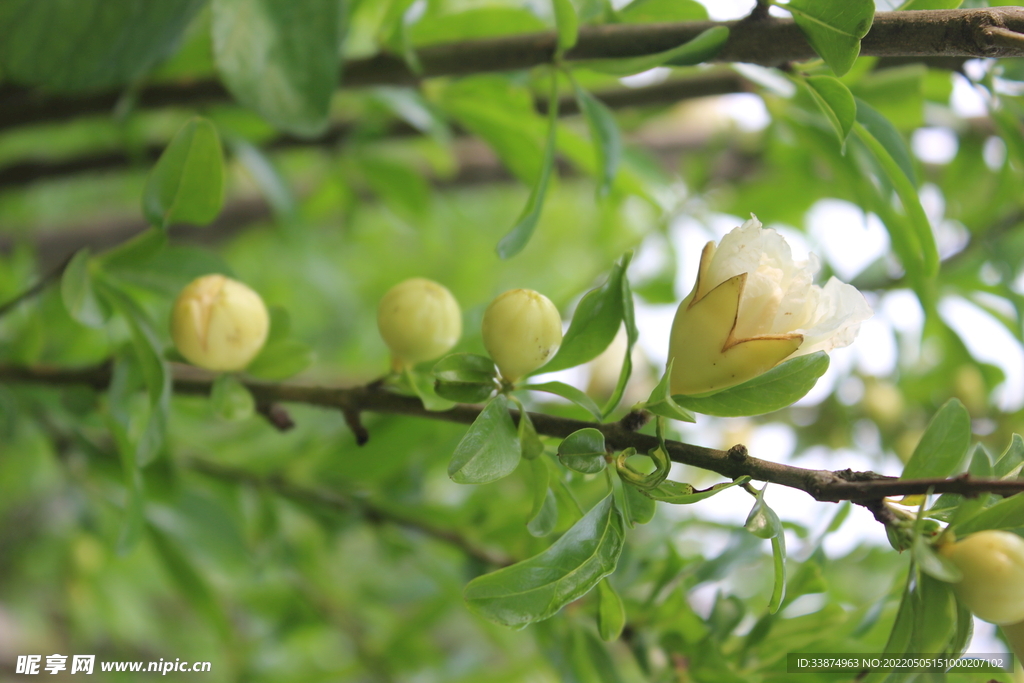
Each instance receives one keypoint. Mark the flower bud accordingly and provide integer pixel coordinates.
(522, 330)
(218, 323)
(752, 307)
(992, 563)
(419, 320)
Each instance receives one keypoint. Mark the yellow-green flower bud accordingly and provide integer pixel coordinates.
(218, 323)
(522, 330)
(419, 320)
(992, 563)
(752, 307)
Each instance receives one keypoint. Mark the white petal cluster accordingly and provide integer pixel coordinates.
(780, 296)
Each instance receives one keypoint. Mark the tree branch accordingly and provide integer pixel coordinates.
(372, 512)
(768, 41)
(863, 488)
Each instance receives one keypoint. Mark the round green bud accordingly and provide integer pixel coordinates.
(219, 324)
(419, 320)
(522, 330)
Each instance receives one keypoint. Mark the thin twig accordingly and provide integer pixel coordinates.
(863, 488)
(372, 512)
(52, 276)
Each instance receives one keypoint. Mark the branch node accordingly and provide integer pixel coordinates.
(354, 422)
(738, 453)
(276, 415)
(634, 420)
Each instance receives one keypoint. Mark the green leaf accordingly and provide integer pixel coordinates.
(187, 183)
(465, 377)
(567, 23)
(934, 564)
(935, 613)
(1011, 458)
(529, 441)
(1006, 514)
(583, 451)
(472, 24)
(779, 564)
(280, 58)
(662, 11)
(568, 392)
(544, 514)
(594, 324)
(834, 29)
(490, 449)
(604, 134)
(77, 293)
(401, 187)
(231, 399)
(889, 149)
(632, 334)
(611, 613)
(836, 102)
(781, 386)
(637, 505)
(539, 587)
(661, 403)
(89, 44)
(677, 493)
(136, 251)
(261, 169)
(154, 369)
(516, 239)
(762, 520)
(281, 360)
(700, 49)
(943, 446)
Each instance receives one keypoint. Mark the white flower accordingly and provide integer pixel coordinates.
(752, 307)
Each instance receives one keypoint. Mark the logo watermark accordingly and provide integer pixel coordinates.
(86, 664)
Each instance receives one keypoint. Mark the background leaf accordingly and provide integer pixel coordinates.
(537, 588)
(187, 183)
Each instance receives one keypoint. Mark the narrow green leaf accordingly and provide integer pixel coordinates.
(632, 334)
(516, 239)
(611, 613)
(604, 133)
(836, 102)
(568, 392)
(280, 58)
(781, 386)
(187, 183)
(136, 251)
(76, 291)
(583, 451)
(231, 399)
(637, 506)
(261, 169)
(779, 562)
(834, 29)
(935, 613)
(539, 587)
(677, 493)
(700, 49)
(567, 23)
(490, 449)
(544, 514)
(943, 446)
(465, 377)
(662, 11)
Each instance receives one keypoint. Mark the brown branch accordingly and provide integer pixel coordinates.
(45, 281)
(768, 41)
(863, 488)
(372, 512)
